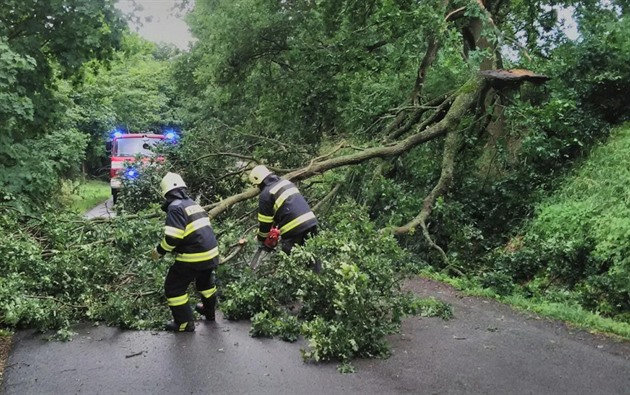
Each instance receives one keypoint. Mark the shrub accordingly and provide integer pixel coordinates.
(578, 239)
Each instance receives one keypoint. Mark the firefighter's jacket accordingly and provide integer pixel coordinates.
(189, 235)
(281, 204)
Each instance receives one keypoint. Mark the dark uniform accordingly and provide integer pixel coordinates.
(189, 235)
(281, 204)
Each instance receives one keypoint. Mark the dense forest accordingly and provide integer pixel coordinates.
(473, 141)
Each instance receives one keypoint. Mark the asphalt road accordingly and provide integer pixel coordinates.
(486, 349)
(105, 209)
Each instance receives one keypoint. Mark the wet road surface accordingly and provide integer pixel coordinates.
(105, 209)
(487, 348)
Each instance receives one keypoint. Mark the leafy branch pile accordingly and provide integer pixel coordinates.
(348, 309)
(62, 269)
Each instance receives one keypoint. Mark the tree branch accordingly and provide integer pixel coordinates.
(426, 62)
(239, 156)
(464, 100)
(455, 14)
(451, 146)
(240, 246)
(443, 105)
(327, 198)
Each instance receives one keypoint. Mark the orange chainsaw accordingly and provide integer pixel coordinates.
(272, 239)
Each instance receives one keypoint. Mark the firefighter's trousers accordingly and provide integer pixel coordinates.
(176, 284)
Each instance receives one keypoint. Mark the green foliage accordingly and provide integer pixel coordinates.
(577, 241)
(60, 269)
(208, 173)
(34, 169)
(284, 326)
(133, 91)
(500, 179)
(56, 38)
(599, 66)
(142, 189)
(291, 75)
(42, 47)
(345, 311)
(14, 104)
(431, 308)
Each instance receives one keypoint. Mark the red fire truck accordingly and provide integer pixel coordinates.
(126, 147)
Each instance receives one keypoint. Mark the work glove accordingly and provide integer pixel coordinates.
(155, 255)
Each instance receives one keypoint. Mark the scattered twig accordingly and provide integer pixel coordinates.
(240, 246)
(327, 198)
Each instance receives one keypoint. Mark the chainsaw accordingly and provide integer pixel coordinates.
(268, 247)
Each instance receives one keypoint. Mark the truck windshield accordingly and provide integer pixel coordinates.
(135, 146)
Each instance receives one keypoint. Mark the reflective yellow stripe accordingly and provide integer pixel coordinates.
(208, 292)
(265, 218)
(283, 197)
(178, 300)
(195, 225)
(296, 222)
(174, 232)
(279, 185)
(194, 209)
(198, 256)
(263, 234)
(182, 326)
(166, 246)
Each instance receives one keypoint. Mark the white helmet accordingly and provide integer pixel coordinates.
(170, 182)
(258, 174)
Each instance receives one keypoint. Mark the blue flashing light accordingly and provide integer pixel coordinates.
(131, 174)
(116, 133)
(171, 135)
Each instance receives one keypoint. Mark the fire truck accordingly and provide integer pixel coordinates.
(126, 147)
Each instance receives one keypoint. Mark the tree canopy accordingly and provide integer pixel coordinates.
(43, 47)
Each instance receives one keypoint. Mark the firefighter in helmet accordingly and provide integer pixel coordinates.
(281, 205)
(187, 234)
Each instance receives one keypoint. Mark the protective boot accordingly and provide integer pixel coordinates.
(183, 320)
(207, 307)
(183, 327)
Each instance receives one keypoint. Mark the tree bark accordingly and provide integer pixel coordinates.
(451, 146)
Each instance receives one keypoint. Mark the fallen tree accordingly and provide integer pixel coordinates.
(441, 117)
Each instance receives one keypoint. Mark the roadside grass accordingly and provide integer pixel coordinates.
(583, 224)
(571, 313)
(84, 195)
